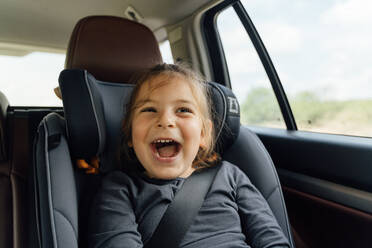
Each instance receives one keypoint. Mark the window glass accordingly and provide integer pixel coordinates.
(29, 80)
(166, 52)
(322, 53)
(247, 74)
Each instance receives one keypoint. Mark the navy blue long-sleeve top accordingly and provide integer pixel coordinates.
(128, 209)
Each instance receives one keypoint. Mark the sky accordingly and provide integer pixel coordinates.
(318, 46)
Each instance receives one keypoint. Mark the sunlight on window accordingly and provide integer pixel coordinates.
(322, 53)
(166, 52)
(249, 81)
(29, 80)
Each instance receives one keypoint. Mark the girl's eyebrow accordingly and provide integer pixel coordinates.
(144, 101)
(184, 101)
(141, 102)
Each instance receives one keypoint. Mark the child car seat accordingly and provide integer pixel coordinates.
(93, 108)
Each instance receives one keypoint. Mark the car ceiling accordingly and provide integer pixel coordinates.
(49, 23)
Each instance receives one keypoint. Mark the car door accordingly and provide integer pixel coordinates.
(310, 104)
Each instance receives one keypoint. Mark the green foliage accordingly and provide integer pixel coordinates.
(308, 109)
(260, 106)
(311, 113)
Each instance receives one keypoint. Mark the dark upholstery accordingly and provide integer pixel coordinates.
(4, 104)
(6, 223)
(93, 111)
(14, 164)
(249, 153)
(226, 116)
(112, 48)
(56, 187)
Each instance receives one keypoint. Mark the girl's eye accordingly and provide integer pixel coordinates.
(148, 109)
(184, 110)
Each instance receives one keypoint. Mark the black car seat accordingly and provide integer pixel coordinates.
(6, 223)
(15, 154)
(113, 49)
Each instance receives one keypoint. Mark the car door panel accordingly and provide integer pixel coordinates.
(327, 183)
(340, 159)
(324, 223)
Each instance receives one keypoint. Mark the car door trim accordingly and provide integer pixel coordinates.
(344, 195)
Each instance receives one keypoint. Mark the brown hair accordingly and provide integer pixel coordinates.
(206, 156)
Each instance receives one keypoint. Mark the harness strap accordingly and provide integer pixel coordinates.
(183, 209)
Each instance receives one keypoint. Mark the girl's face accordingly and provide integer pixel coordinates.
(166, 127)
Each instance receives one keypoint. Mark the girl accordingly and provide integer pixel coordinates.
(167, 135)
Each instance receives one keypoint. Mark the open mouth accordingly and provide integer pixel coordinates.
(165, 148)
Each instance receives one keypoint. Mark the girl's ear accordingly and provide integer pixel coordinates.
(130, 144)
(206, 134)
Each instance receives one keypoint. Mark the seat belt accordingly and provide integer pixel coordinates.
(183, 209)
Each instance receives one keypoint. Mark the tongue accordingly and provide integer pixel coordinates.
(167, 151)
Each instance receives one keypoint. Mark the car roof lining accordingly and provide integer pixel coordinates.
(48, 24)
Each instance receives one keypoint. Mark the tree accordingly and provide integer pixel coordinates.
(260, 106)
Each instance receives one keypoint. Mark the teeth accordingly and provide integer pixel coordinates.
(163, 141)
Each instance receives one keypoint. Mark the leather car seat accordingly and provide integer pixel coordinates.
(15, 155)
(6, 223)
(104, 52)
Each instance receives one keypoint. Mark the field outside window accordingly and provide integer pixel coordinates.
(322, 53)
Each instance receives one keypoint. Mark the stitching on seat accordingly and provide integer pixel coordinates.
(50, 200)
(64, 216)
(224, 112)
(272, 192)
(94, 111)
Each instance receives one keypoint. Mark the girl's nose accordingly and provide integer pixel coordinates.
(165, 120)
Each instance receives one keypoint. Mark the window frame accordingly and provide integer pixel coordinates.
(218, 61)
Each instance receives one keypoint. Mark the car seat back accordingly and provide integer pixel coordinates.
(93, 111)
(15, 161)
(5, 182)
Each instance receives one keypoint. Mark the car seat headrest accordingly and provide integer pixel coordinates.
(94, 111)
(111, 48)
(4, 104)
(226, 116)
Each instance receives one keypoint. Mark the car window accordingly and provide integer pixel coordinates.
(248, 78)
(322, 53)
(166, 52)
(29, 80)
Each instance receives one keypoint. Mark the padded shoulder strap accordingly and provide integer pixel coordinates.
(56, 206)
(183, 209)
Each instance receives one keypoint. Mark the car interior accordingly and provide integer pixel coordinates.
(306, 178)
